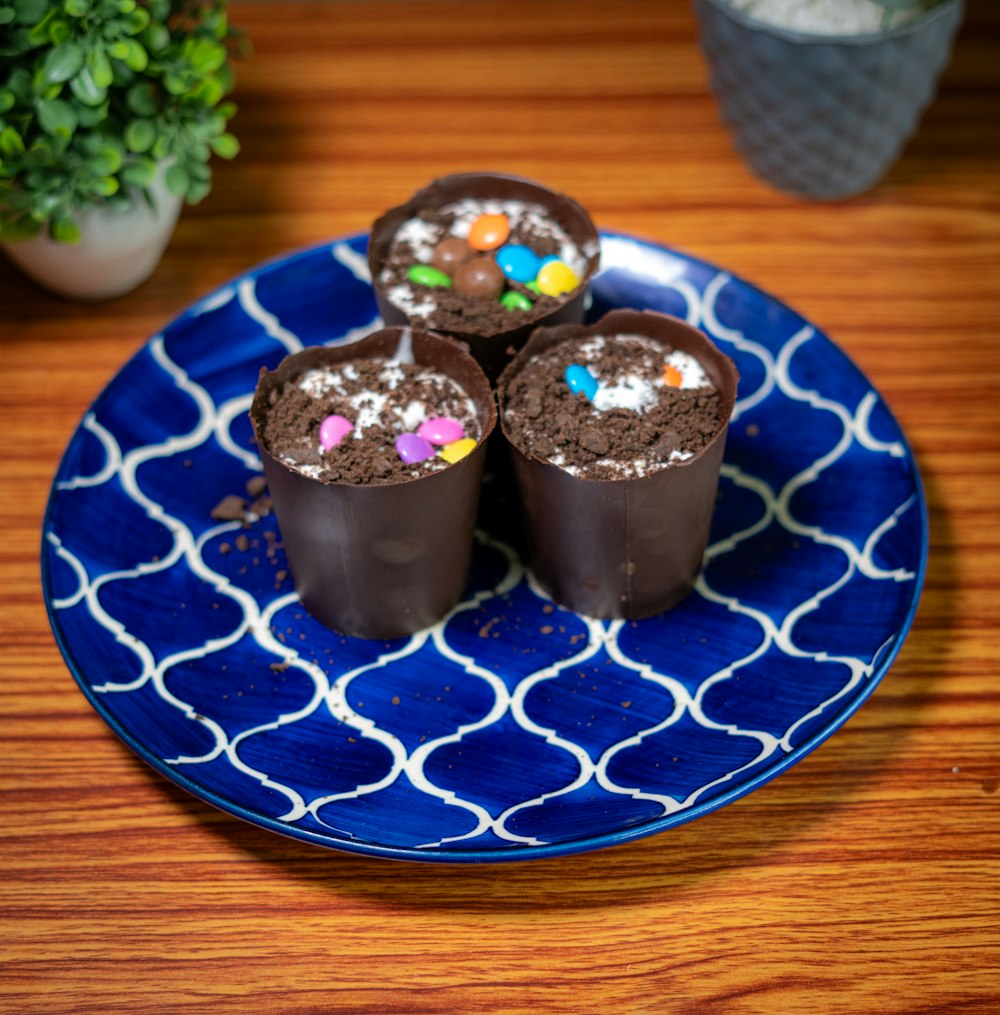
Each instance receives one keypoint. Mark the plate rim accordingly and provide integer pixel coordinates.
(515, 852)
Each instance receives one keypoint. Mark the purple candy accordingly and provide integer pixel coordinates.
(441, 430)
(412, 448)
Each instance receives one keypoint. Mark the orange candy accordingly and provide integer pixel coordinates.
(671, 376)
(489, 232)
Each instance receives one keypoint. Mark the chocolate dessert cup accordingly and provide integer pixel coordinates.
(621, 547)
(491, 337)
(378, 560)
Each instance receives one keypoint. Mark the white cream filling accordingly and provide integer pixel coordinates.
(830, 17)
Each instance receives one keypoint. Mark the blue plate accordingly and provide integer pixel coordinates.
(513, 729)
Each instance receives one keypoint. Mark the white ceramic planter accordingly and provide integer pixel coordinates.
(119, 249)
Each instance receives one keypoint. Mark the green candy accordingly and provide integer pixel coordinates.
(426, 274)
(533, 286)
(515, 301)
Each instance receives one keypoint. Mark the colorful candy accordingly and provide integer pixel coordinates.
(513, 300)
(581, 380)
(441, 430)
(485, 265)
(519, 263)
(450, 254)
(425, 274)
(457, 450)
(672, 376)
(556, 278)
(489, 232)
(333, 430)
(480, 277)
(412, 448)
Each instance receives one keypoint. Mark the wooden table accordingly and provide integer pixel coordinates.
(866, 878)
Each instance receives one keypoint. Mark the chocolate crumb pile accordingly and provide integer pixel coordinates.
(382, 399)
(234, 508)
(462, 313)
(545, 419)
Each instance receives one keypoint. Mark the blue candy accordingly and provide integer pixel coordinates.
(579, 378)
(518, 263)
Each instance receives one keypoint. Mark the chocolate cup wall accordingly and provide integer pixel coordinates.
(622, 547)
(493, 352)
(379, 561)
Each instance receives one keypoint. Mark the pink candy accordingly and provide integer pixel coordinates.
(333, 430)
(441, 430)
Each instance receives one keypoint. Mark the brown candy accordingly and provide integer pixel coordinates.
(450, 254)
(480, 277)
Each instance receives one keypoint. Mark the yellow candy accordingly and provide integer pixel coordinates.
(556, 278)
(457, 450)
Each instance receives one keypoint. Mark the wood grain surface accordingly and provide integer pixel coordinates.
(865, 879)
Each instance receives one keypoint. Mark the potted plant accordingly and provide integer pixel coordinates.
(821, 95)
(110, 111)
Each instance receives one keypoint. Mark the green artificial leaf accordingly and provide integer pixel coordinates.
(208, 91)
(225, 146)
(198, 190)
(76, 8)
(11, 143)
(30, 12)
(175, 83)
(226, 78)
(7, 100)
(156, 37)
(141, 100)
(63, 62)
(42, 151)
(161, 147)
(14, 228)
(177, 180)
(136, 21)
(59, 31)
(105, 186)
(39, 32)
(118, 50)
(138, 58)
(100, 67)
(7, 15)
(139, 135)
(64, 230)
(91, 116)
(198, 170)
(204, 55)
(139, 173)
(57, 118)
(126, 6)
(46, 206)
(86, 90)
(107, 160)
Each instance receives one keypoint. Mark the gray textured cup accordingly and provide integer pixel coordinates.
(823, 117)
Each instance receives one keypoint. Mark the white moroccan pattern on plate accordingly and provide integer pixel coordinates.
(513, 729)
